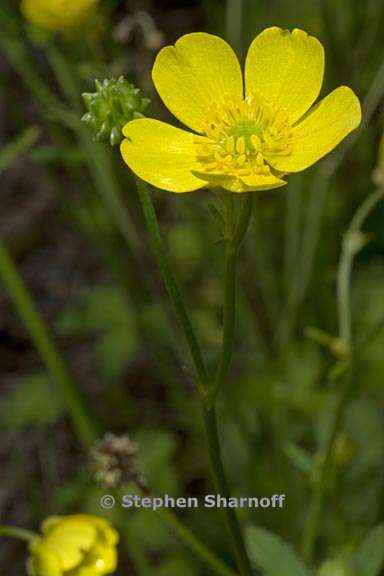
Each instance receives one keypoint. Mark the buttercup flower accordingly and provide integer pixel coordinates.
(79, 545)
(61, 15)
(247, 138)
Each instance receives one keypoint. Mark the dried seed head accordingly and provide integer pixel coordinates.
(115, 461)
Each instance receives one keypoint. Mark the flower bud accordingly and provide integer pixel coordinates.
(114, 103)
(78, 544)
(57, 15)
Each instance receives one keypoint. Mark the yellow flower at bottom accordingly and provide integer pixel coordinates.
(78, 545)
(61, 15)
(243, 139)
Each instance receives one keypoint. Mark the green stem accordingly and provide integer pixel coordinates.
(222, 488)
(194, 544)
(323, 175)
(291, 274)
(234, 236)
(19, 145)
(185, 535)
(202, 382)
(19, 533)
(46, 347)
(171, 284)
(352, 244)
(136, 550)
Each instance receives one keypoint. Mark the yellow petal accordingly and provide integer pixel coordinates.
(161, 154)
(49, 523)
(42, 562)
(100, 560)
(106, 531)
(198, 70)
(243, 184)
(69, 540)
(286, 69)
(321, 130)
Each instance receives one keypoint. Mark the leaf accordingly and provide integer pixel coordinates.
(272, 555)
(301, 458)
(114, 350)
(369, 557)
(105, 312)
(32, 403)
(158, 448)
(176, 564)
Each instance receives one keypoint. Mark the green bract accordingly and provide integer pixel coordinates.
(114, 103)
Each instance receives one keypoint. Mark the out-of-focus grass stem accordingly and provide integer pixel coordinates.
(39, 332)
(327, 169)
(291, 272)
(45, 344)
(21, 143)
(97, 157)
(234, 23)
(353, 242)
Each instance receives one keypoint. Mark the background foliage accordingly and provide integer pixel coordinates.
(94, 279)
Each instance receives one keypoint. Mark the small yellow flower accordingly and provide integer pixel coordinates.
(244, 139)
(79, 545)
(57, 15)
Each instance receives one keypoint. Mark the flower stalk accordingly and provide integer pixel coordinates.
(209, 413)
(171, 285)
(19, 533)
(194, 544)
(234, 234)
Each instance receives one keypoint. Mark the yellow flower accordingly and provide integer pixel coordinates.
(61, 15)
(243, 140)
(79, 545)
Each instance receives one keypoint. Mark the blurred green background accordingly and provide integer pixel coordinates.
(94, 279)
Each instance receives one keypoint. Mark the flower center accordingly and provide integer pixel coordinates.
(241, 136)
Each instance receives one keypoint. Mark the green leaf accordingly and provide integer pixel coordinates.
(105, 312)
(176, 564)
(299, 457)
(32, 403)
(272, 555)
(369, 557)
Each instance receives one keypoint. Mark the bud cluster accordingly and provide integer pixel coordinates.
(114, 103)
